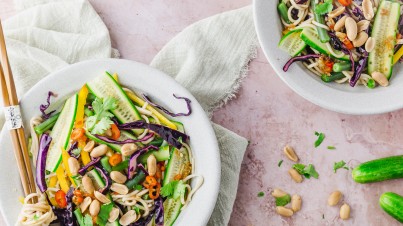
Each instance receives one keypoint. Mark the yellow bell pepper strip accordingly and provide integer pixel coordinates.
(141, 102)
(52, 184)
(62, 179)
(398, 55)
(21, 199)
(82, 99)
(115, 76)
(65, 157)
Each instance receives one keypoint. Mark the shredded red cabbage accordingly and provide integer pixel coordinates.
(359, 67)
(128, 141)
(107, 179)
(187, 100)
(142, 168)
(358, 13)
(44, 107)
(70, 151)
(168, 134)
(300, 1)
(299, 58)
(41, 161)
(133, 160)
(65, 216)
(159, 212)
(85, 168)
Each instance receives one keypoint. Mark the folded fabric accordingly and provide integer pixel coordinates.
(210, 58)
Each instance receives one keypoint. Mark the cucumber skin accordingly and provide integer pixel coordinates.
(392, 204)
(372, 55)
(170, 221)
(379, 170)
(285, 37)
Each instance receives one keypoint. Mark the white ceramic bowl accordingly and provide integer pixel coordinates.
(139, 77)
(340, 98)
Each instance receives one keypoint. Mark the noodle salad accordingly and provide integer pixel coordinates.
(109, 157)
(354, 41)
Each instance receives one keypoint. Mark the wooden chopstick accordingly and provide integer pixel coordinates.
(19, 137)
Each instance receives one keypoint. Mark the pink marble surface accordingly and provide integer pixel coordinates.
(270, 115)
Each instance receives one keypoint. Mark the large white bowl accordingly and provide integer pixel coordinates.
(340, 98)
(139, 77)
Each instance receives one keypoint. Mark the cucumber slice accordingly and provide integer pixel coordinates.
(161, 155)
(292, 42)
(311, 38)
(179, 126)
(96, 178)
(178, 164)
(106, 86)
(172, 208)
(61, 133)
(384, 32)
(124, 135)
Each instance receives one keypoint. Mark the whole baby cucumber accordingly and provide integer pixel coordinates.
(392, 203)
(379, 170)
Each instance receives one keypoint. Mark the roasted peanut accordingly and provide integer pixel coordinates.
(128, 149)
(370, 44)
(118, 177)
(101, 197)
(128, 218)
(295, 175)
(334, 198)
(85, 204)
(340, 23)
(89, 146)
(337, 12)
(296, 203)
(278, 193)
(361, 39)
(283, 211)
(94, 208)
(88, 185)
(368, 9)
(119, 188)
(152, 165)
(74, 166)
(351, 28)
(99, 151)
(345, 211)
(113, 215)
(290, 153)
(380, 78)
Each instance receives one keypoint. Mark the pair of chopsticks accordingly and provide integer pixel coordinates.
(9, 94)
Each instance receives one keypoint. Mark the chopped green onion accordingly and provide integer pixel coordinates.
(279, 163)
(260, 194)
(331, 147)
(321, 137)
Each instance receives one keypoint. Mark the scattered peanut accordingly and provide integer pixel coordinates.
(363, 25)
(128, 218)
(128, 149)
(94, 208)
(99, 151)
(295, 175)
(345, 211)
(351, 28)
(334, 198)
(113, 215)
(283, 211)
(380, 78)
(290, 153)
(108, 133)
(296, 203)
(361, 39)
(89, 146)
(88, 185)
(340, 23)
(85, 204)
(370, 44)
(118, 177)
(277, 193)
(337, 12)
(368, 9)
(120, 188)
(74, 166)
(101, 197)
(152, 165)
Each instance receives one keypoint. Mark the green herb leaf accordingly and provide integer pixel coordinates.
(36, 217)
(279, 163)
(138, 187)
(331, 147)
(76, 151)
(308, 171)
(325, 7)
(173, 189)
(87, 221)
(321, 137)
(103, 214)
(339, 165)
(103, 125)
(284, 200)
(137, 209)
(100, 122)
(260, 194)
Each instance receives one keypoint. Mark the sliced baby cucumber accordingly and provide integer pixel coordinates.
(61, 133)
(384, 32)
(162, 154)
(379, 170)
(311, 38)
(292, 42)
(96, 178)
(392, 204)
(178, 165)
(172, 208)
(179, 126)
(106, 86)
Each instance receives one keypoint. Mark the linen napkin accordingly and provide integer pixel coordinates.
(209, 58)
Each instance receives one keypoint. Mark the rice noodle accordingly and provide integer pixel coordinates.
(39, 213)
(34, 137)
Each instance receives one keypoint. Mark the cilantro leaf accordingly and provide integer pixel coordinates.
(260, 194)
(36, 217)
(103, 125)
(103, 214)
(284, 200)
(279, 163)
(100, 122)
(321, 137)
(173, 189)
(308, 171)
(137, 209)
(325, 7)
(339, 165)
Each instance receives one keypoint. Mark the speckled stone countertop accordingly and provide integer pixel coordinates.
(270, 115)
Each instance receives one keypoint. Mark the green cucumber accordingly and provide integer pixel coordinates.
(124, 135)
(106, 86)
(172, 208)
(384, 32)
(292, 43)
(379, 170)
(61, 133)
(179, 126)
(392, 204)
(311, 38)
(161, 155)
(96, 178)
(178, 164)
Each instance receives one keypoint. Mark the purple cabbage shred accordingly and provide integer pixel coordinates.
(359, 67)
(65, 216)
(44, 107)
(107, 179)
(299, 58)
(128, 141)
(187, 100)
(84, 169)
(70, 151)
(44, 144)
(133, 160)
